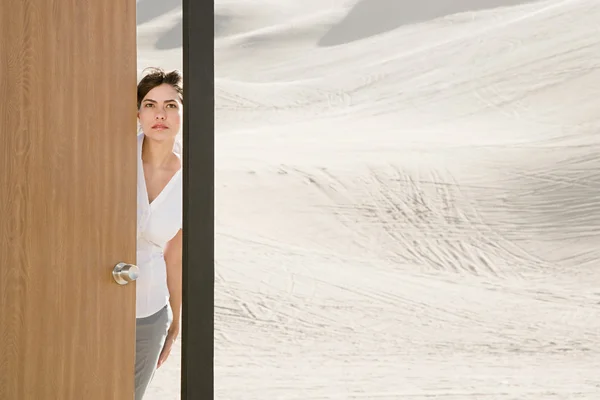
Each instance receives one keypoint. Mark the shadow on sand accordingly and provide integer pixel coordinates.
(173, 38)
(147, 10)
(373, 17)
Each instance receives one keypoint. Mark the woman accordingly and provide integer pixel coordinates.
(159, 226)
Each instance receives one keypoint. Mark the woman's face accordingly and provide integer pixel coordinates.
(160, 113)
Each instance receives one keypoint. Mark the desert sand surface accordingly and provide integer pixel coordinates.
(407, 198)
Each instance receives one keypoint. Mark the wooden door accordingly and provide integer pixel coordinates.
(67, 198)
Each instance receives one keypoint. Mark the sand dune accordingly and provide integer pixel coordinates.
(372, 17)
(407, 198)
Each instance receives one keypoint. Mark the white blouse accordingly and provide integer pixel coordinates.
(157, 223)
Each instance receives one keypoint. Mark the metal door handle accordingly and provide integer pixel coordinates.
(124, 273)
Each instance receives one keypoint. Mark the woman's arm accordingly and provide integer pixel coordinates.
(174, 259)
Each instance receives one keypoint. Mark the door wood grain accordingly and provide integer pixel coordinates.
(67, 198)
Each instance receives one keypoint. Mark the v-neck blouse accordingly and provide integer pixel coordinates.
(157, 223)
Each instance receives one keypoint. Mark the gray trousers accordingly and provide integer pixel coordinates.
(150, 336)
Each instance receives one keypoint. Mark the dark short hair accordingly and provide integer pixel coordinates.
(156, 77)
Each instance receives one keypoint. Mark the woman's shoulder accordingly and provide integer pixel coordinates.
(140, 140)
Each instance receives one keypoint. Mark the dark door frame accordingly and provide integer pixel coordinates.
(197, 334)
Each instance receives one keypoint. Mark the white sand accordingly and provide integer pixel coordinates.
(408, 201)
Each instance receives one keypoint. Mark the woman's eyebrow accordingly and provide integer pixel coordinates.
(166, 101)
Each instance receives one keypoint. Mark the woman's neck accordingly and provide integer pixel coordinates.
(157, 154)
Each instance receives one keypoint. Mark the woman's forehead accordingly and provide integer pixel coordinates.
(162, 93)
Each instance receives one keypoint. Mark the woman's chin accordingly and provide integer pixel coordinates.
(160, 134)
